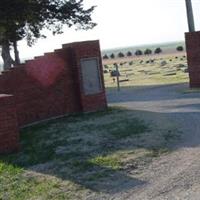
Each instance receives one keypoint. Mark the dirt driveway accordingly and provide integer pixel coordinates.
(175, 175)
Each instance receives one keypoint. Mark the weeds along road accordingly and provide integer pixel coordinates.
(175, 175)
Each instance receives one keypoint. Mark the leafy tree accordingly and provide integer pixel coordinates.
(112, 56)
(21, 19)
(105, 56)
(138, 52)
(179, 48)
(158, 50)
(129, 53)
(148, 51)
(120, 55)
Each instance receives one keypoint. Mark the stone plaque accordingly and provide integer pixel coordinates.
(90, 76)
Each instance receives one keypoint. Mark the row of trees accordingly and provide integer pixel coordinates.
(139, 52)
(25, 19)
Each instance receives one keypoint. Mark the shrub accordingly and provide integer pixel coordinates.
(179, 48)
(112, 55)
(148, 51)
(138, 52)
(105, 56)
(129, 53)
(158, 50)
(120, 55)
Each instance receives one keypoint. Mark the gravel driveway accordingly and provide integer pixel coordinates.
(176, 175)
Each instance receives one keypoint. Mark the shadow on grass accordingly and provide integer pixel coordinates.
(80, 149)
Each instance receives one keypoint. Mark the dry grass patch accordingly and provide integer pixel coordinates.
(85, 156)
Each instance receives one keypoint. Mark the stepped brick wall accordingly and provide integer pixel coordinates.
(193, 56)
(55, 84)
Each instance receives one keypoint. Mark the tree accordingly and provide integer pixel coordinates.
(147, 52)
(129, 53)
(138, 52)
(105, 56)
(21, 19)
(120, 55)
(179, 48)
(158, 50)
(112, 56)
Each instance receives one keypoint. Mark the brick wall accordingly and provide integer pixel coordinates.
(193, 56)
(9, 135)
(51, 85)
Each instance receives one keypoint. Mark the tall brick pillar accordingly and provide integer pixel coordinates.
(89, 75)
(9, 133)
(193, 56)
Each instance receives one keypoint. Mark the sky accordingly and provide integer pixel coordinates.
(125, 23)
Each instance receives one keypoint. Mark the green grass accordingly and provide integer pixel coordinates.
(149, 73)
(77, 156)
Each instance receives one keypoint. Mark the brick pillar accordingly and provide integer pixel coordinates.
(193, 56)
(88, 65)
(9, 133)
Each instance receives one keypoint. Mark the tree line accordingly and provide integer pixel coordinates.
(139, 52)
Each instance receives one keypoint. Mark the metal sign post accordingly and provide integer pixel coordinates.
(117, 75)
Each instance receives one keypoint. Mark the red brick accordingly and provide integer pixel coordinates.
(47, 86)
(193, 56)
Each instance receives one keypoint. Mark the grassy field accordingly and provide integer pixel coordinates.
(88, 156)
(148, 70)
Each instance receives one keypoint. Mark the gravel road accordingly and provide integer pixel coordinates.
(175, 175)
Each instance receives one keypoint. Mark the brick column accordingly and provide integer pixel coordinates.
(193, 56)
(87, 50)
(9, 133)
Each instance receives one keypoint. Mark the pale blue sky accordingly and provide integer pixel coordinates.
(126, 23)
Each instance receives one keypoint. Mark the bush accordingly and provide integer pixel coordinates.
(138, 52)
(120, 55)
(179, 48)
(147, 52)
(105, 56)
(129, 53)
(158, 50)
(112, 56)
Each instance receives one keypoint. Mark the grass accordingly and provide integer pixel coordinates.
(149, 73)
(81, 156)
